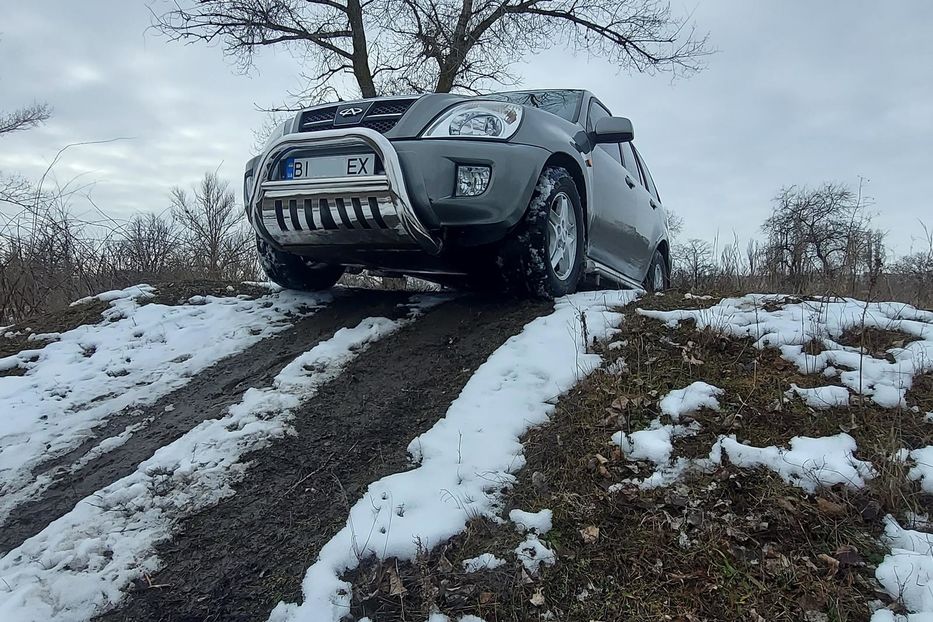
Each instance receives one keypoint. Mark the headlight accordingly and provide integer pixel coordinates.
(479, 119)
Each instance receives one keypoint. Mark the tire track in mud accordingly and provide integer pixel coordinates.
(236, 560)
(206, 396)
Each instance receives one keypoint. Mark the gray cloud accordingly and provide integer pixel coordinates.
(800, 92)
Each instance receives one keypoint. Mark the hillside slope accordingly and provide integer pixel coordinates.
(236, 453)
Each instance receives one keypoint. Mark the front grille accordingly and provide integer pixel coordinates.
(381, 117)
(319, 115)
(391, 107)
(382, 126)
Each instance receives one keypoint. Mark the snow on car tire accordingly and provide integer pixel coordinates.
(543, 257)
(294, 271)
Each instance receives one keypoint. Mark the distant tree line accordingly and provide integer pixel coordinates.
(816, 241)
(49, 256)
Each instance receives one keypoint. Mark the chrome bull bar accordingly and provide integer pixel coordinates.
(361, 208)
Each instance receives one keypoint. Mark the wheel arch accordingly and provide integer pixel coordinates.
(664, 248)
(568, 162)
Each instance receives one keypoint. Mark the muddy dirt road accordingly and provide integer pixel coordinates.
(206, 396)
(236, 560)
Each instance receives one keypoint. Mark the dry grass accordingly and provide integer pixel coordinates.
(731, 545)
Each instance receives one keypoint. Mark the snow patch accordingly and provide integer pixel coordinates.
(922, 470)
(907, 571)
(532, 553)
(821, 398)
(484, 561)
(539, 522)
(809, 462)
(690, 399)
(134, 292)
(654, 442)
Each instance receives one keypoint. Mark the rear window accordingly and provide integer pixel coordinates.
(565, 104)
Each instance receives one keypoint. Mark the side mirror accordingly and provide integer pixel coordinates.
(614, 130)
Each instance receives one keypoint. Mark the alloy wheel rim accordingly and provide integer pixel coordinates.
(562, 236)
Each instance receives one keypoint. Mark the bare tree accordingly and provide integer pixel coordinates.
(675, 223)
(214, 236)
(695, 261)
(823, 231)
(386, 46)
(916, 268)
(469, 43)
(24, 118)
(149, 246)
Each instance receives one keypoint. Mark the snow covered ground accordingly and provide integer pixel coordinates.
(811, 463)
(792, 326)
(79, 565)
(136, 354)
(466, 459)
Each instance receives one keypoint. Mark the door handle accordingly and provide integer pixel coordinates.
(628, 180)
(653, 204)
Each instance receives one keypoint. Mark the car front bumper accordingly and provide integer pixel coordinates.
(410, 204)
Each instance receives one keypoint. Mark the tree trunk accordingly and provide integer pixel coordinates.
(360, 60)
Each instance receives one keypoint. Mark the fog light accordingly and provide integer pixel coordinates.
(472, 180)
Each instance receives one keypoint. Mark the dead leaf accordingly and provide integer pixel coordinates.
(830, 508)
(537, 599)
(848, 555)
(620, 403)
(590, 534)
(689, 359)
(831, 562)
(871, 511)
(395, 582)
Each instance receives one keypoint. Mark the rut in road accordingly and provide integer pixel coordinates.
(236, 560)
(206, 396)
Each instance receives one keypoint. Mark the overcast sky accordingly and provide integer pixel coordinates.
(798, 93)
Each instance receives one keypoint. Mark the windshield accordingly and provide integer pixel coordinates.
(562, 103)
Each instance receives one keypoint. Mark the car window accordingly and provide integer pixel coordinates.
(647, 174)
(630, 163)
(597, 112)
(565, 104)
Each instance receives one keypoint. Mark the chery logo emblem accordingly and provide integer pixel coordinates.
(350, 112)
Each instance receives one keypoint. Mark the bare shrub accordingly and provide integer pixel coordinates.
(214, 232)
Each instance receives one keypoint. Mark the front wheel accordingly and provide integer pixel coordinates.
(543, 257)
(294, 271)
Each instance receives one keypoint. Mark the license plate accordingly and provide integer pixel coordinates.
(330, 166)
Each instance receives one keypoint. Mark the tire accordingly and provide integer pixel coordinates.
(294, 271)
(524, 259)
(659, 275)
